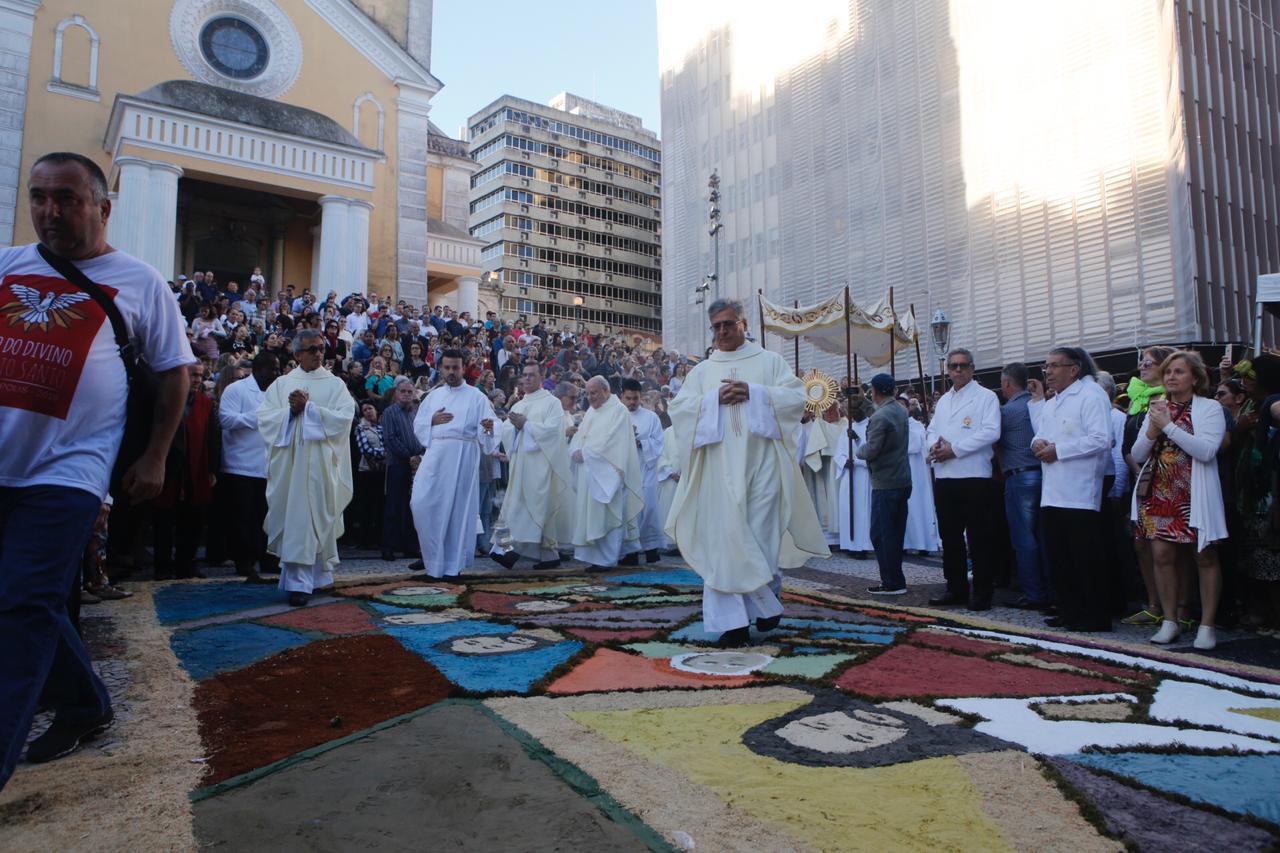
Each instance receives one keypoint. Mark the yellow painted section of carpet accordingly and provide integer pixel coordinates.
(923, 805)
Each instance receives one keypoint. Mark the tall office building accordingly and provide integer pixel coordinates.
(566, 200)
(1096, 173)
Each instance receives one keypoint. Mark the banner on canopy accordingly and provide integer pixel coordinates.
(823, 326)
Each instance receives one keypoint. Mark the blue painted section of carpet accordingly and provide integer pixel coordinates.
(207, 651)
(1244, 784)
(672, 577)
(856, 636)
(832, 625)
(499, 673)
(811, 650)
(184, 602)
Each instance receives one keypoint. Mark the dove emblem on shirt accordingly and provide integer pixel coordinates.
(33, 309)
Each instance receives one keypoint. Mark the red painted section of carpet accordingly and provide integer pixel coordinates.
(504, 604)
(957, 643)
(1099, 667)
(908, 671)
(607, 670)
(329, 619)
(601, 635)
(308, 696)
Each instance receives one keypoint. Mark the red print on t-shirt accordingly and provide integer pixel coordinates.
(46, 329)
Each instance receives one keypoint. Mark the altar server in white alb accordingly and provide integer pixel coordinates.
(740, 488)
(455, 425)
(609, 495)
(855, 526)
(649, 437)
(922, 521)
(668, 481)
(538, 492)
(305, 421)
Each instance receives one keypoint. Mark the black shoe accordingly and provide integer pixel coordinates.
(593, 569)
(735, 638)
(299, 599)
(64, 738)
(255, 578)
(652, 555)
(417, 566)
(883, 590)
(947, 599)
(763, 624)
(630, 560)
(507, 560)
(547, 564)
(388, 556)
(1025, 603)
(1059, 622)
(977, 603)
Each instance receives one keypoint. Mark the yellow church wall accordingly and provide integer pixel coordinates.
(435, 192)
(297, 254)
(135, 54)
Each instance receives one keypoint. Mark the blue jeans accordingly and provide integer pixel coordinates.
(43, 533)
(888, 528)
(1026, 533)
(484, 540)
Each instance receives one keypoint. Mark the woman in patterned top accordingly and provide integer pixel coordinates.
(1177, 503)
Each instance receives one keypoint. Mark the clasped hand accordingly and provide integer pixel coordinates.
(1045, 451)
(941, 451)
(732, 393)
(298, 401)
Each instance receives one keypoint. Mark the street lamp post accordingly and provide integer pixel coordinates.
(713, 227)
(941, 328)
(577, 310)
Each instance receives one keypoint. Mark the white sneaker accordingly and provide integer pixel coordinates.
(1206, 638)
(1169, 631)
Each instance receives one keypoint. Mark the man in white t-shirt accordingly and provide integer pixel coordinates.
(244, 467)
(62, 416)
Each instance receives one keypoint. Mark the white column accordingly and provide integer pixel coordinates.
(162, 218)
(128, 223)
(469, 296)
(334, 238)
(358, 241)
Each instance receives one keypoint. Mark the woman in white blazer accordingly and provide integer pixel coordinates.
(1177, 503)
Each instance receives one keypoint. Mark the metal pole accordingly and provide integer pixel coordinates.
(797, 339)
(924, 394)
(760, 293)
(893, 327)
(848, 399)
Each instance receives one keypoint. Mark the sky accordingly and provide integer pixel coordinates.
(605, 50)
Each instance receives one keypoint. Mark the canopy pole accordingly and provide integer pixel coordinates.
(893, 327)
(760, 293)
(924, 394)
(797, 340)
(848, 399)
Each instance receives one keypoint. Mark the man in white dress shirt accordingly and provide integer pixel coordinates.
(244, 467)
(1073, 444)
(649, 439)
(965, 426)
(455, 425)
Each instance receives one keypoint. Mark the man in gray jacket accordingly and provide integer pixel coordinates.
(885, 452)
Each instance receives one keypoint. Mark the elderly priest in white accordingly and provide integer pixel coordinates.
(609, 484)
(539, 491)
(649, 436)
(455, 425)
(740, 488)
(305, 420)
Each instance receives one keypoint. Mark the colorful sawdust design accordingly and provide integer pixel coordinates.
(205, 651)
(184, 602)
(308, 696)
(608, 670)
(333, 619)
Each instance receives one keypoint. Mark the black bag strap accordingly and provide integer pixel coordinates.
(74, 276)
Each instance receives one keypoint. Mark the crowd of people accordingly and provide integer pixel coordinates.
(285, 423)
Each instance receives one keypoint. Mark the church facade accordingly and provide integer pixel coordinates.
(291, 135)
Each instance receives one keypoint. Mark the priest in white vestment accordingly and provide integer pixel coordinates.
(538, 484)
(609, 491)
(305, 420)
(649, 435)
(855, 529)
(740, 489)
(668, 480)
(455, 425)
(567, 394)
(922, 520)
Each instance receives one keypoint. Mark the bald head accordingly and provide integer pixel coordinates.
(597, 391)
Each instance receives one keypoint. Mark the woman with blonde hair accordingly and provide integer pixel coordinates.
(1177, 503)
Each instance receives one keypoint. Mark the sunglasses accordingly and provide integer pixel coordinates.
(727, 324)
(959, 365)
(314, 349)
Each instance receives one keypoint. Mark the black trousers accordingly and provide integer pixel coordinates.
(967, 505)
(1078, 566)
(367, 507)
(247, 502)
(177, 536)
(398, 533)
